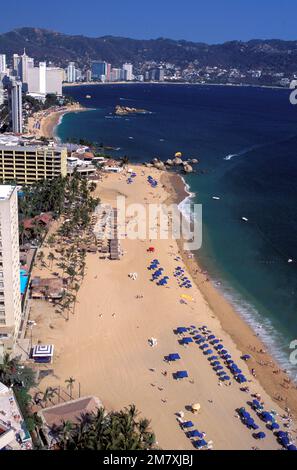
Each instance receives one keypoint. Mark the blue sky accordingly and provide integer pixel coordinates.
(211, 21)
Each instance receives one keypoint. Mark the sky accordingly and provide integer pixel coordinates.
(211, 21)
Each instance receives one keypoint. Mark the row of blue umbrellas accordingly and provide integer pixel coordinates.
(183, 281)
(200, 443)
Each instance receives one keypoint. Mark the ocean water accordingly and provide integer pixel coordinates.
(246, 141)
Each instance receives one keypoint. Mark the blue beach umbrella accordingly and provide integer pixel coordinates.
(213, 358)
(181, 329)
(187, 424)
(260, 435)
(266, 417)
(194, 433)
(215, 341)
(207, 352)
(187, 340)
(246, 357)
(291, 447)
(173, 357)
(201, 443)
(181, 374)
(273, 426)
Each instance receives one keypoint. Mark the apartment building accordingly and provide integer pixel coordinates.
(27, 164)
(10, 292)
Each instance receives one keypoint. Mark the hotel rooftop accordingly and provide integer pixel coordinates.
(6, 191)
(13, 432)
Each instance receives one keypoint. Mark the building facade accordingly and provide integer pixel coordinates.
(27, 164)
(44, 80)
(16, 106)
(71, 72)
(128, 72)
(99, 69)
(10, 292)
(3, 66)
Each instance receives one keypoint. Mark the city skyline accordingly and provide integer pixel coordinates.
(214, 22)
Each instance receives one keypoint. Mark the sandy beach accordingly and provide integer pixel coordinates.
(43, 123)
(104, 345)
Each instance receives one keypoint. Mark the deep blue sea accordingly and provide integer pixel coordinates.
(246, 141)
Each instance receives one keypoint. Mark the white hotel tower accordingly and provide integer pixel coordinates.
(10, 295)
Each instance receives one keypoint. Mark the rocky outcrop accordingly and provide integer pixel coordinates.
(177, 161)
(124, 110)
(187, 168)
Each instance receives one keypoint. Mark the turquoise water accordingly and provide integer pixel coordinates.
(246, 142)
(23, 280)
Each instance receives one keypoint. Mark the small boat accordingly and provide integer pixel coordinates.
(290, 260)
(216, 198)
(88, 96)
(245, 219)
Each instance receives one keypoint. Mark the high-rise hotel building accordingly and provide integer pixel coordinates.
(16, 106)
(27, 164)
(10, 294)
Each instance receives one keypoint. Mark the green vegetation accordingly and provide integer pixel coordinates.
(21, 378)
(69, 196)
(120, 430)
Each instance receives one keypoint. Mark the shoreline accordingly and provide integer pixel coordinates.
(245, 337)
(103, 344)
(85, 84)
(45, 123)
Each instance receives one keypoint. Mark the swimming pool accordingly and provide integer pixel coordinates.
(23, 280)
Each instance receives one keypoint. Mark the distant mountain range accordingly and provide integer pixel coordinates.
(271, 55)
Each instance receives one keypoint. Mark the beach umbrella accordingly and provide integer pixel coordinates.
(226, 356)
(187, 340)
(284, 441)
(229, 361)
(211, 337)
(281, 434)
(203, 346)
(197, 337)
(217, 368)
(256, 404)
(181, 374)
(181, 329)
(213, 358)
(216, 363)
(201, 340)
(246, 357)
(187, 424)
(227, 377)
(194, 433)
(250, 422)
(219, 346)
(207, 352)
(173, 357)
(224, 351)
(266, 417)
(221, 373)
(291, 447)
(274, 426)
(201, 443)
(260, 435)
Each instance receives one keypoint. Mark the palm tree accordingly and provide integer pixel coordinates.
(48, 395)
(70, 382)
